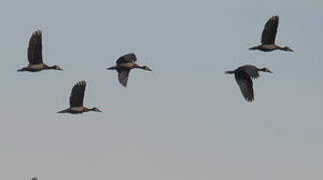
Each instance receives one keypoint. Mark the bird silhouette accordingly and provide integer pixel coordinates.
(244, 76)
(35, 56)
(76, 100)
(268, 37)
(124, 64)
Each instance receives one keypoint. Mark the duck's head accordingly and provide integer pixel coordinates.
(286, 48)
(146, 68)
(266, 70)
(55, 67)
(96, 109)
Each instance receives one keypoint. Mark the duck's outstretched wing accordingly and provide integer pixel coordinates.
(270, 30)
(77, 94)
(128, 58)
(246, 85)
(123, 76)
(35, 48)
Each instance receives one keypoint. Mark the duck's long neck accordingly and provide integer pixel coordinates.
(45, 66)
(261, 69)
(93, 109)
(85, 109)
(138, 66)
(280, 48)
(51, 67)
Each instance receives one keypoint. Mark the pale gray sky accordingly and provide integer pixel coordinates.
(187, 119)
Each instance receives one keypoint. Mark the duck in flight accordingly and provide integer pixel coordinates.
(35, 57)
(268, 37)
(76, 100)
(124, 64)
(244, 76)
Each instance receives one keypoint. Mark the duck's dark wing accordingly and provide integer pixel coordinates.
(245, 83)
(270, 31)
(35, 48)
(77, 94)
(123, 76)
(251, 70)
(128, 58)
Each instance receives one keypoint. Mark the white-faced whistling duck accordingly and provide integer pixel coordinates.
(268, 37)
(35, 57)
(244, 76)
(76, 100)
(124, 64)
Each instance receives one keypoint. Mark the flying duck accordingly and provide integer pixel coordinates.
(244, 76)
(35, 57)
(268, 37)
(76, 100)
(124, 64)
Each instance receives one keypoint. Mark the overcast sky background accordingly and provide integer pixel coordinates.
(186, 120)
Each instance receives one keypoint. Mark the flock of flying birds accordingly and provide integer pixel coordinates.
(125, 63)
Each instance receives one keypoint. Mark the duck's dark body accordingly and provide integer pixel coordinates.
(75, 110)
(265, 47)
